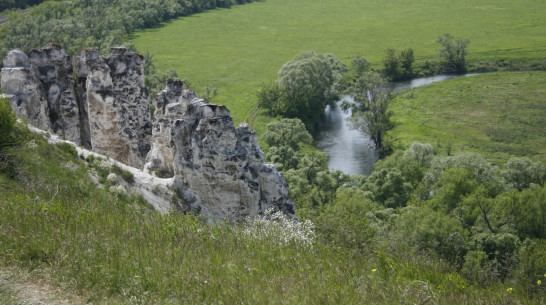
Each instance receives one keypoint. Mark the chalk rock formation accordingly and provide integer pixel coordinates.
(117, 103)
(54, 70)
(104, 108)
(170, 105)
(219, 169)
(23, 86)
(206, 165)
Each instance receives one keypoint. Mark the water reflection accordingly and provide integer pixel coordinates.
(348, 150)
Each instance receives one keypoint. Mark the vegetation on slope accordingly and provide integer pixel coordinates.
(499, 115)
(111, 248)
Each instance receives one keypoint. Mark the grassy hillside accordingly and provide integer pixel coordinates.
(238, 49)
(498, 115)
(64, 232)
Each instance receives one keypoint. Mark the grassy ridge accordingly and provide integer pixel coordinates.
(499, 115)
(238, 49)
(112, 249)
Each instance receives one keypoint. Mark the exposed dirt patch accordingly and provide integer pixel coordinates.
(17, 287)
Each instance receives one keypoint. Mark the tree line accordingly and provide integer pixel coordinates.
(15, 4)
(100, 24)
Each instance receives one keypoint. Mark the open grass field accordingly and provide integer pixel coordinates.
(238, 49)
(499, 115)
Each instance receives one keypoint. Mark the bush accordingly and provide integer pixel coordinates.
(344, 223)
(69, 149)
(453, 53)
(10, 130)
(522, 173)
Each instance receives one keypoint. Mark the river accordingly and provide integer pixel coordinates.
(348, 150)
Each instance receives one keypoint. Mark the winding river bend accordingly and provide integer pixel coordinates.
(348, 150)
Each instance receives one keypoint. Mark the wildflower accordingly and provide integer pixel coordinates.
(279, 229)
(509, 290)
(374, 270)
(539, 282)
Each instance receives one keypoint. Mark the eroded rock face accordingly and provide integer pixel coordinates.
(117, 101)
(170, 105)
(219, 169)
(23, 86)
(207, 165)
(54, 70)
(104, 106)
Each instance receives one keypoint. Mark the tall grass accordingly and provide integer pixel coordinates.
(113, 249)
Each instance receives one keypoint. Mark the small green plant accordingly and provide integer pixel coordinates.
(125, 175)
(69, 149)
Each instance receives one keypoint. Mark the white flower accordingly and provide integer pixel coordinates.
(279, 229)
(112, 179)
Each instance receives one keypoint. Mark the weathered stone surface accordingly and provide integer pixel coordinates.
(118, 107)
(81, 64)
(170, 105)
(28, 98)
(219, 170)
(199, 160)
(54, 69)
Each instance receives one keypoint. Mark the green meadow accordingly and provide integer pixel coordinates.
(499, 115)
(238, 49)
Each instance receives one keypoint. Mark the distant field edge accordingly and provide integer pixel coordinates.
(499, 115)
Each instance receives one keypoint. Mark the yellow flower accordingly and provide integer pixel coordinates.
(539, 282)
(509, 290)
(374, 270)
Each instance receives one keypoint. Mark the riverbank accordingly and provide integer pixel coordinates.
(499, 115)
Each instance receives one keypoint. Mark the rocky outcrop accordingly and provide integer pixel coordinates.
(97, 102)
(27, 95)
(205, 164)
(117, 106)
(219, 170)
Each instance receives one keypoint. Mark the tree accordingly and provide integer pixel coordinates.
(9, 128)
(360, 66)
(287, 132)
(453, 53)
(521, 173)
(370, 114)
(398, 67)
(305, 86)
(391, 64)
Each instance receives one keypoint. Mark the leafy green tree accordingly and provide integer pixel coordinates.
(344, 222)
(453, 53)
(272, 98)
(9, 128)
(422, 153)
(520, 173)
(452, 187)
(286, 132)
(360, 65)
(391, 64)
(388, 187)
(430, 230)
(284, 157)
(370, 114)
(305, 86)
(398, 67)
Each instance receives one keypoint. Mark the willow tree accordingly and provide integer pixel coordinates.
(370, 115)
